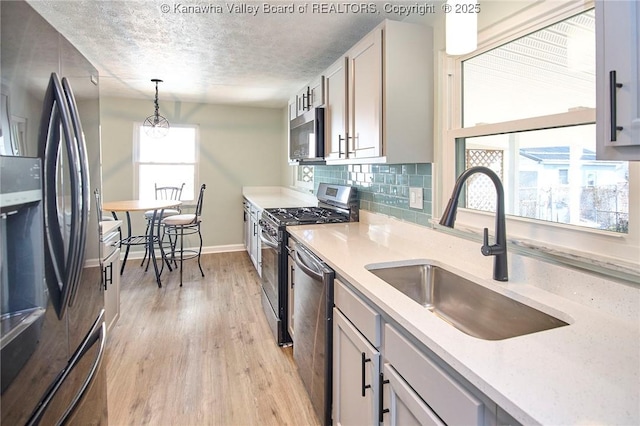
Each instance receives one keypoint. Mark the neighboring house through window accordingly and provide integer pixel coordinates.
(527, 111)
(529, 92)
(563, 176)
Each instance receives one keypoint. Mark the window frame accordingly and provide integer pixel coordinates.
(616, 248)
(137, 126)
(299, 184)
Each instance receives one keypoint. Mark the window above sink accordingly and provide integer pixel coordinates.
(524, 105)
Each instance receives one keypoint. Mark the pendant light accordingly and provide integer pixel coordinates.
(156, 125)
(461, 26)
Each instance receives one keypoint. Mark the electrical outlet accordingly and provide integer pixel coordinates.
(415, 198)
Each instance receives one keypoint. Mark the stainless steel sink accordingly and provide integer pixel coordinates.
(469, 307)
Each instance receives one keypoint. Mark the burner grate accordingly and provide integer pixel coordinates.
(301, 215)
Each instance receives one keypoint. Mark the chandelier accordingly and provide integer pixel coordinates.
(156, 126)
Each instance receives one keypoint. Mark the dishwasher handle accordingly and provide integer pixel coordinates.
(308, 264)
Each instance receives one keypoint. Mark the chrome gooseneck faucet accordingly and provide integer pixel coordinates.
(499, 249)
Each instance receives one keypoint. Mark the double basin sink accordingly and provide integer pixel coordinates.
(467, 306)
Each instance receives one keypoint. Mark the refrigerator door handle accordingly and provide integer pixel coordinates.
(54, 239)
(55, 115)
(97, 334)
(82, 192)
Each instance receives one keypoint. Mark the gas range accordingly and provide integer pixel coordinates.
(336, 204)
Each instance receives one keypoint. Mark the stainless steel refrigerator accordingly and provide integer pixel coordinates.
(52, 294)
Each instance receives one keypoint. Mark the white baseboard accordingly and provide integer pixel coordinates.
(92, 263)
(205, 250)
(223, 249)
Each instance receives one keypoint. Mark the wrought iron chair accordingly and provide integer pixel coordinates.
(162, 193)
(177, 226)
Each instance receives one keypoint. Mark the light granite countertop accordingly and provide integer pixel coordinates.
(585, 373)
(266, 197)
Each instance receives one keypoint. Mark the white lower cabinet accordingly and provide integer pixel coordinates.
(111, 271)
(111, 278)
(404, 405)
(356, 367)
(255, 252)
(246, 228)
(382, 376)
(448, 399)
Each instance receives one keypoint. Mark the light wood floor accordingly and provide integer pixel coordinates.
(201, 354)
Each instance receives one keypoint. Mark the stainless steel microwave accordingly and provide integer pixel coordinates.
(306, 137)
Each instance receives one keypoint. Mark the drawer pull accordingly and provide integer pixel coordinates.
(364, 361)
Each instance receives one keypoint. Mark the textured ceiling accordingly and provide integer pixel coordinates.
(204, 56)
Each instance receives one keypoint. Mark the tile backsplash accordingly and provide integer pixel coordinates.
(384, 188)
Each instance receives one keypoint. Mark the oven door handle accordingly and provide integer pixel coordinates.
(307, 269)
(267, 241)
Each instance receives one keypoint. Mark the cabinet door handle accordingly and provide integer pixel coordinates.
(613, 101)
(104, 278)
(108, 275)
(346, 140)
(364, 360)
(382, 410)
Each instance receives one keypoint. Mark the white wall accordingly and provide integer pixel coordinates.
(239, 146)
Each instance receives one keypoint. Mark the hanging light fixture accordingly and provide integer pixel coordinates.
(156, 125)
(461, 24)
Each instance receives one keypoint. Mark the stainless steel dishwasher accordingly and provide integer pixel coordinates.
(312, 346)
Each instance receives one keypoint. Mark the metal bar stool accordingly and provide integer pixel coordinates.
(162, 193)
(177, 226)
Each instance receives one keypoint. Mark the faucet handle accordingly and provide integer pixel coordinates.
(486, 248)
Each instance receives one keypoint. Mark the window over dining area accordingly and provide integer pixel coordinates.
(167, 161)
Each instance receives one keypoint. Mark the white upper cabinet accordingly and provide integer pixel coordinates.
(618, 80)
(311, 96)
(336, 110)
(293, 108)
(316, 92)
(365, 96)
(389, 98)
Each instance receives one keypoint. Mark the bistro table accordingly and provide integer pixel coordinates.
(148, 239)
